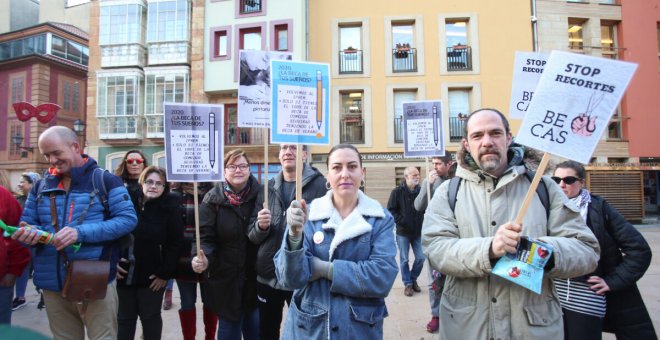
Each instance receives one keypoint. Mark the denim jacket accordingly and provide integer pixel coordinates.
(362, 250)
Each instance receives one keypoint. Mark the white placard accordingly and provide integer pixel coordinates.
(423, 129)
(573, 104)
(527, 70)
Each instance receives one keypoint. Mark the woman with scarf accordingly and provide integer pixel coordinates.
(607, 299)
(228, 258)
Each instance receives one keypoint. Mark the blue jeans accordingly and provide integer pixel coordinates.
(404, 242)
(248, 325)
(6, 295)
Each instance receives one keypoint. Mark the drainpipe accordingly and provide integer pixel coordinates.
(535, 27)
(307, 30)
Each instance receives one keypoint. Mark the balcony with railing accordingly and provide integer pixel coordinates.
(351, 129)
(350, 61)
(404, 59)
(120, 127)
(169, 52)
(123, 55)
(250, 6)
(244, 136)
(398, 130)
(155, 125)
(459, 58)
(456, 128)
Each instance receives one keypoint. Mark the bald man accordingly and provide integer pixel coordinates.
(81, 218)
(408, 228)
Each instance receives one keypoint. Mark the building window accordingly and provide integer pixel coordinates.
(281, 37)
(21, 47)
(575, 35)
(17, 90)
(70, 96)
(15, 128)
(608, 40)
(459, 109)
(259, 171)
(404, 52)
(350, 48)
(118, 105)
(614, 131)
(168, 21)
(250, 8)
(121, 24)
(235, 135)
(351, 125)
(459, 51)
(401, 96)
(250, 39)
(162, 86)
(220, 43)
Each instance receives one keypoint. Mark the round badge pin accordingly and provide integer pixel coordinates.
(318, 237)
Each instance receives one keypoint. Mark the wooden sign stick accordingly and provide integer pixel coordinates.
(265, 183)
(532, 188)
(199, 245)
(428, 184)
(299, 169)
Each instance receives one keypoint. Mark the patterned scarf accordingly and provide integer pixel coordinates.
(236, 198)
(582, 201)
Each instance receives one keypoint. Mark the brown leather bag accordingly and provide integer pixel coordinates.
(86, 280)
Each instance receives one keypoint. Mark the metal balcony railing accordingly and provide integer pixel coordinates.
(456, 128)
(404, 59)
(398, 130)
(243, 136)
(250, 6)
(459, 58)
(350, 61)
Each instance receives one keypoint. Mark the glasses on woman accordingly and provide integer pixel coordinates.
(568, 179)
(233, 167)
(134, 161)
(152, 183)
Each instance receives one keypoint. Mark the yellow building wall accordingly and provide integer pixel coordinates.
(502, 30)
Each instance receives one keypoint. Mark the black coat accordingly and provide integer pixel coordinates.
(626, 314)
(402, 207)
(156, 241)
(231, 276)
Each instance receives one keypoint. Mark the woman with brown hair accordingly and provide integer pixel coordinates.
(151, 259)
(130, 168)
(228, 259)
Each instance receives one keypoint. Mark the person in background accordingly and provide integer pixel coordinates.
(227, 255)
(186, 279)
(14, 257)
(28, 179)
(4, 179)
(130, 168)
(439, 174)
(151, 259)
(408, 228)
(340, 259)
(267, 227)
(608, 298)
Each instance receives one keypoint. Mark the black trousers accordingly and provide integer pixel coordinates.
(271, 302)
(578, 326)
(142, 302)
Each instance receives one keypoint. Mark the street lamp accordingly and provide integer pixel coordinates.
(17, 140)
(79, 127)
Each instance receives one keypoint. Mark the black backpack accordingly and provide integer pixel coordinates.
(541, 191)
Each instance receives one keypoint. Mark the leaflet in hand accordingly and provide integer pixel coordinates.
(525, 267)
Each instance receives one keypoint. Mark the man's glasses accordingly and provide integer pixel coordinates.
(233, 167)
(568, 179)
(152, 183)
(134, 161)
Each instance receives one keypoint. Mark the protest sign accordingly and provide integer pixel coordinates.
(300, 102)
(254, 87)
(423, 129)
(527, 70)
(573, 103)
(194, 142)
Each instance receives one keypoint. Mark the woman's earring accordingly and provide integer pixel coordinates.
(363, 183)
(327, 185)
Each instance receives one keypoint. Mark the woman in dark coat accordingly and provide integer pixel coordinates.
(151, 259)
(608, 299)
(228, 257)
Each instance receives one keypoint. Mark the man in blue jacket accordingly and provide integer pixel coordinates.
(81, 218)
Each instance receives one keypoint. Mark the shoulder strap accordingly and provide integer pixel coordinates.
(541, 192)
(103, 195)
(454, 184)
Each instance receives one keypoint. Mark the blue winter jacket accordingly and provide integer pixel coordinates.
(93, 232)
(362, 250)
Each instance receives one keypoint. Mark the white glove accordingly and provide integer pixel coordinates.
(321, 269)
(296, 217)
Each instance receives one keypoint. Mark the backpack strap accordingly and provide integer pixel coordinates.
(541, 192)
(103, 195)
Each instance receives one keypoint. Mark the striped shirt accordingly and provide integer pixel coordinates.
(578, 297)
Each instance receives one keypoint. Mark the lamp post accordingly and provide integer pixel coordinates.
(79, 128)
(17, 140)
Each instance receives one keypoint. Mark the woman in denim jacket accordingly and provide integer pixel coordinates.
(342, 266)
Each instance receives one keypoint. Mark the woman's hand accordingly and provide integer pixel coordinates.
(599, 285)
(199, 263)
(296, 216)
(121, 272)
(157, 283)
(264, 218)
